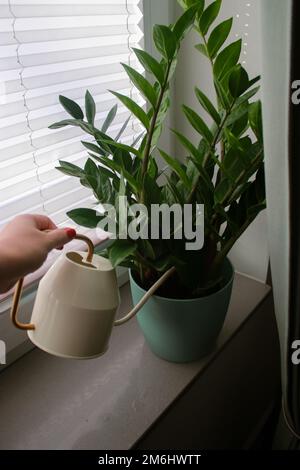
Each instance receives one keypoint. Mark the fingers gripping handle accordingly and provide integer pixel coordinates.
(19, 288)
(90, 254)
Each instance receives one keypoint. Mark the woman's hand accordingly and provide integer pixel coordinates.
(24, 246)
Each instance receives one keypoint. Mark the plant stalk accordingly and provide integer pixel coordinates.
(152, 129)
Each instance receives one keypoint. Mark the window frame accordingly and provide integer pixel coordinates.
(153, 12)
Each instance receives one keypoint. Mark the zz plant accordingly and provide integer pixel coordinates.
(224, 171)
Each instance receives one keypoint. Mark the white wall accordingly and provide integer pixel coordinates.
(250, 255)
(160, 12)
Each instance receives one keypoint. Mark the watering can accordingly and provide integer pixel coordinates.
(76, 305)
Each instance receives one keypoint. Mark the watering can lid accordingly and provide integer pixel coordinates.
(98, 262)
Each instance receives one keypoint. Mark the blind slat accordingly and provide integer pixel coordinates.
(48, 48)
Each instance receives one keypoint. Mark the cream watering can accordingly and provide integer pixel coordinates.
(76, 305)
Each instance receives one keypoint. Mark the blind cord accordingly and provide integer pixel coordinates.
(26, 107)
(130, 56)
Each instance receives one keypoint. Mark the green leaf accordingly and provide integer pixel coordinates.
(237, 113)
(70, 169)
(260, 187)
(90, 168)
(218, 37)
(153, 169)
(117, 145)
(254, 80)
(134, 108)
(72, 122)
(185, 22)
(238, 81)
(189, 3)
(176, 166)
(147, 250)
(209, 15)
(221, 191)
(198, 124)
(109, 118)
(141, 84)
(107, 173)
(165, 104)
(123, 128)
(165, 41)
(188, 145)
(255, 119)
(94, 148)
(71, 107)
(124, 159)
(247, 96)
(150, 64)
(120, 251)
(227, 59)
(208, 106)
(202, 48)
(85, 217)
(90, 108)
(152, 191)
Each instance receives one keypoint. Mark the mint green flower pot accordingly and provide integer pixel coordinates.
(183, 330)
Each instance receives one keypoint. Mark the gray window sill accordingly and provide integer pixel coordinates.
(110, 402)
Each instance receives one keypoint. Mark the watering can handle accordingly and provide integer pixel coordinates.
(90, 254)
(19, 288)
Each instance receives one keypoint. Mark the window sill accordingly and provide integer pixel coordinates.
(110, 402)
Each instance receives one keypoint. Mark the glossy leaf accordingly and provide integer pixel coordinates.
(165, 41)
(120, 251)
(218, 37)
(209, 15)
(185, 22)
(72, 122)
(134, 108)
(109, 118)
(70, 169)
(94, 148)
(255, 119)
(227, 59)
(189, 3)
(85, 217)
(122, 130)
(150, 64)
(176, 167)
(238, 81)
(90, 108)
(208, 106)
(141, 84)
(71, 107)
(202, 48)
(198, 124)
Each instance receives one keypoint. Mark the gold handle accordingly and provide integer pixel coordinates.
(19, 288)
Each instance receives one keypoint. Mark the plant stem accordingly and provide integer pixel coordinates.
(152, 129)
(240, 178)
(224, 252)
(211, 149)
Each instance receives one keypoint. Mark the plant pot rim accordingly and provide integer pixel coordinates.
(168, 299)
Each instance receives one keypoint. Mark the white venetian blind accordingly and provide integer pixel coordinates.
(48, 48)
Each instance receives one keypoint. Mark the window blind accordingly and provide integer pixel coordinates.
(47, 48)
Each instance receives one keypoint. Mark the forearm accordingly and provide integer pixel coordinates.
(7, 275)
(24, 246)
